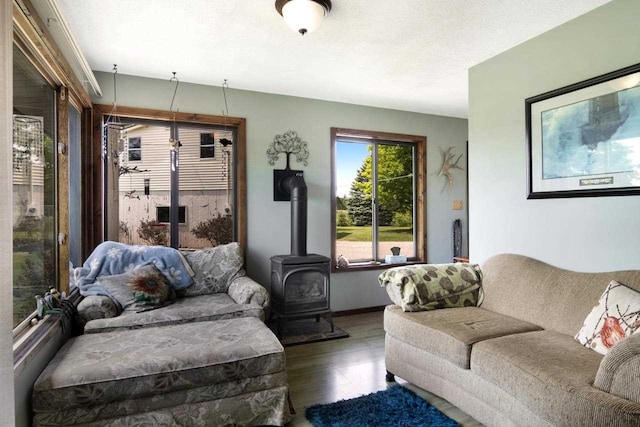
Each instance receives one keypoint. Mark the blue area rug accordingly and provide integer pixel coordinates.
(395, 406)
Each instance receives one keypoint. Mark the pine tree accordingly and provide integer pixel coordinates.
(359, 204)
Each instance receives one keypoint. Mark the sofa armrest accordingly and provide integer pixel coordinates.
(619, 369)
(96, 307)
(244, 290)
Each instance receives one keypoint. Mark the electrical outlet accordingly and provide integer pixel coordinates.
(456, 205)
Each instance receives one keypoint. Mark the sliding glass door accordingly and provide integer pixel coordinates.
(34, 187)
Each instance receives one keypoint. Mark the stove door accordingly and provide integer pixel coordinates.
(306, 290)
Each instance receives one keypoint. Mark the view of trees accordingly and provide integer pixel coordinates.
(395, 189)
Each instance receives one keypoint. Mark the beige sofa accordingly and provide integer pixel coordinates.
(513, 361)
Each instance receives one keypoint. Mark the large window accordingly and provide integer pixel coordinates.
(140, 196)
(34, 187)
(378, 192)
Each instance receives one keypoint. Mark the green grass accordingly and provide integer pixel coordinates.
(363, 234)
(18, 262)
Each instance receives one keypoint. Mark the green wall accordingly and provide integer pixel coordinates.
(268, 115)
(588, 234)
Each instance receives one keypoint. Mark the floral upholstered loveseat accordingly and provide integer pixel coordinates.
(203, 358)
(220, 290)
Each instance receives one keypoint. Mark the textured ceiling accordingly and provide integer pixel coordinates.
(408, 55)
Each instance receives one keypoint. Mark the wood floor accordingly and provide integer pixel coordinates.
(345, 368)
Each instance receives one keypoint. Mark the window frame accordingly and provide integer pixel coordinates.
(137, 149)
(182, 208)
(238, 124)
(211, 146)
(32, 37)
(420, 160)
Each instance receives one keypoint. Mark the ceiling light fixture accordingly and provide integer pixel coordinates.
(303, 16)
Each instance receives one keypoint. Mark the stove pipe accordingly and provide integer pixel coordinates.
(296, 186)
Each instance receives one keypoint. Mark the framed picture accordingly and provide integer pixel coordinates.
(583, 140)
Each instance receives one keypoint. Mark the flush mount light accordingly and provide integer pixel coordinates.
(303, 16)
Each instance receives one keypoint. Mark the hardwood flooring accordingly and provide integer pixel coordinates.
(328, 371)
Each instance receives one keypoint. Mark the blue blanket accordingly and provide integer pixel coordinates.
(111, 258)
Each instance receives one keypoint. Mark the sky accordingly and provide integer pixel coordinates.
(349, 158)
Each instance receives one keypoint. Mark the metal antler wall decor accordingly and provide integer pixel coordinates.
(448, 163)
(288, 143)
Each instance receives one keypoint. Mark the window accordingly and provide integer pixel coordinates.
(139, 200)
(34, 187)
(162, 214)
(207, 147)
(135, 149)
(378, 188)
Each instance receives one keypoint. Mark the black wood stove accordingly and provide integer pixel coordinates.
(299, 281)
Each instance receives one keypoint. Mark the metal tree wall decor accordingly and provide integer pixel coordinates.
(288, 143)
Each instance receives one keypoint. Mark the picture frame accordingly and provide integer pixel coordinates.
(583, 140)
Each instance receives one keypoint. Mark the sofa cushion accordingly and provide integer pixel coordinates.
(214, 268)
(451, 332)
(615, 317)
(431, 286)
(556, 299)
(552, 375)
(98, 369)
(184, 310)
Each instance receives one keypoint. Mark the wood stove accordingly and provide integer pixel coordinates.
(299, 281)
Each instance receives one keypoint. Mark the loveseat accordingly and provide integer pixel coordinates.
(513, 361)
(202, 358)
(221, 290)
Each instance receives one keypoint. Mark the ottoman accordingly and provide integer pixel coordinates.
(225, 372)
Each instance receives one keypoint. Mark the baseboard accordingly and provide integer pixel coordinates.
(358, 311)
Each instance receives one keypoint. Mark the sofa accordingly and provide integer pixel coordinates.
(205, 358)
(513, 360)
(221, 290)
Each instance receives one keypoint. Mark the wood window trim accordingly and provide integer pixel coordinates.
(62, 187)
(94, 195)
(421, 189)
(32, 35)
(33, 38)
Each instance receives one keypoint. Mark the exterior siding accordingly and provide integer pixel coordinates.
(195, 173)
(206, 185)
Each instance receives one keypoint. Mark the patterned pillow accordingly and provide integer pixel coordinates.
(615, 317)
(214, 269)
(139, 289)
(431, 286)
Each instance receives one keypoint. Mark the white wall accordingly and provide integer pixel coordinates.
(268, 115)
(586, 234)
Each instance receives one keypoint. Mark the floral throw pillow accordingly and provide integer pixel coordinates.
(139, 289)
(149, 287)
(422, 287)
(615, 317)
